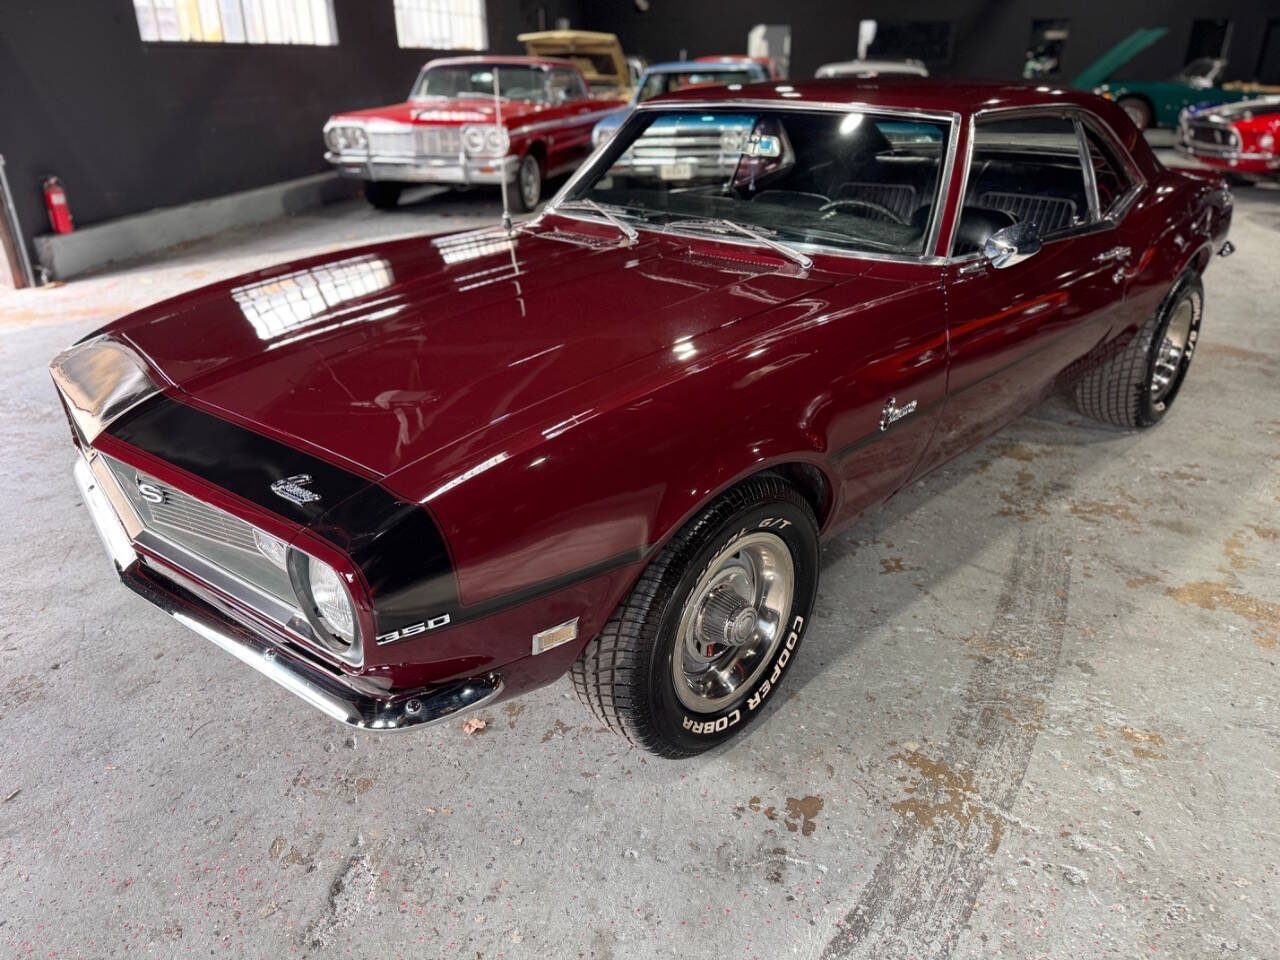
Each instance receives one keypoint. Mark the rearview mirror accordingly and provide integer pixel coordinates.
(1012, 245)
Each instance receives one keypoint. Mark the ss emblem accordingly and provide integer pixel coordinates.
(149, 491)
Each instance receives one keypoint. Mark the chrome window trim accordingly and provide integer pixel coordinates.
(1079, 115)
(1086, 166)
(927, 255)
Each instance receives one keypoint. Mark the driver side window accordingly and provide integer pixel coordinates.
(567, 85)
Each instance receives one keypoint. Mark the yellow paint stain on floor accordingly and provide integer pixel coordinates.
(943, 794)
(1210, 595)
(1102, 511)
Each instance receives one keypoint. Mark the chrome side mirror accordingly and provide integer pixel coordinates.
(1012, 245)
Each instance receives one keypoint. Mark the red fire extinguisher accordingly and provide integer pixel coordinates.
(55, 198)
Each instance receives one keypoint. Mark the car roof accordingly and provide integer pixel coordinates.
(898, 92)
(515, 61)
(703, 66)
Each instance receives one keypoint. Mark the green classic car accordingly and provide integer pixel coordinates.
(1157, 103)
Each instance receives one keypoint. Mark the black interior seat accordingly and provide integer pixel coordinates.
(792, 198)
(898, 197)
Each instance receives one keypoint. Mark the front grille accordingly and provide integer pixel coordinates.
(710, 149)
(416, 141)
(181, 512)
(1205, 134)
(202, 529)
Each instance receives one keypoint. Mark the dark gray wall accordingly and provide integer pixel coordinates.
(130, 126)
(989, 41)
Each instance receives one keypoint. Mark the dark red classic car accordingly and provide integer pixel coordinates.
(472, 120)
(423, 475)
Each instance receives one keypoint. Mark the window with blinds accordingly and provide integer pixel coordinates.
(305, 22)
(442, 24)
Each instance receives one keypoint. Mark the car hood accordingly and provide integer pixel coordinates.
(379, 356)
(450, 111)
(1115, 58)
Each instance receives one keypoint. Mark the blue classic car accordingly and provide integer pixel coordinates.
(663, 78)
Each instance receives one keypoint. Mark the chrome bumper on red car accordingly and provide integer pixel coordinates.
(408, 169)
(201, 610)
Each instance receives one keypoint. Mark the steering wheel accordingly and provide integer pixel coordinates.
(879, 208)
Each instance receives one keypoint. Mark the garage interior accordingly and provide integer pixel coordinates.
(1035, 716)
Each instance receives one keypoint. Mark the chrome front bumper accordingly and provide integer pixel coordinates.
(1228, 155)
(453, 170)
(202, 611)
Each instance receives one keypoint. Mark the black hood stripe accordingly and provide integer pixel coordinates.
(395, 543)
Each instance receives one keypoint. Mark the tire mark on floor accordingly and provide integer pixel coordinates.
(922, 892)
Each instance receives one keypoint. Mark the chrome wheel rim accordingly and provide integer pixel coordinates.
(1174, 351)
(529, 185)
(733, 621)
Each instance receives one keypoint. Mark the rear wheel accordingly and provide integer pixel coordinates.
(712, 625)
(1136, 387)
(1137, 109)
(382, 194)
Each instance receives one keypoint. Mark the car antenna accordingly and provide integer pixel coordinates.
(502, 179)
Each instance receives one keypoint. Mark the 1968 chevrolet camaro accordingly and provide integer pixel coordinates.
(413, 478)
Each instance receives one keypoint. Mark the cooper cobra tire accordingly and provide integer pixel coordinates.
(382, 194)
(628, 674)
(1136, 387)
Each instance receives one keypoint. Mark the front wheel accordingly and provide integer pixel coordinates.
(706, 635)
(528, 185)
(1136, 387)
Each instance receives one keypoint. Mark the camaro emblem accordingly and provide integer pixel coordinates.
(150, 492)
(892, 413)
(294, 489)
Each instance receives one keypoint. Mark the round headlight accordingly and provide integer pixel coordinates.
(495, 141)
(1267, 141)
(331, 600)
(473, 139)
(333, 138)
(356, 136)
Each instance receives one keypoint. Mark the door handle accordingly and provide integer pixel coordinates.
(1115, 253)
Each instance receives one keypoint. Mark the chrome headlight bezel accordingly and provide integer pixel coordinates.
(100, 380)
(328, 634)
(485, 141)
(342, 137)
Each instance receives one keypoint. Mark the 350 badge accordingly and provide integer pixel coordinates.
(413, 630)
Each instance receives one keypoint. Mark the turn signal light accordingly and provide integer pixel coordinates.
(555, 636)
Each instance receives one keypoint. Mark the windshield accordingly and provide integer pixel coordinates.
(860, 181)
(656, 84)
(476, 80)
(1202, 69)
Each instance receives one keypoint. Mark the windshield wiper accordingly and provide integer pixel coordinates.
(626, 229)
(759, 234)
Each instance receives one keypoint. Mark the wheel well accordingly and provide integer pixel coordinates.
(539, 150)
(1200, 261)
(812, 484)
(1133, 95)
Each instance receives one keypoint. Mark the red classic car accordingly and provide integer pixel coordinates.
(419, 476)
(1240, 139)
(453, 129)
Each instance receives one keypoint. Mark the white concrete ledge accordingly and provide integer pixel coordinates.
(67, 255)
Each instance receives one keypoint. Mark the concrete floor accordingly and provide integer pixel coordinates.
(1037, 716)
